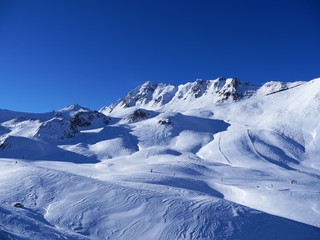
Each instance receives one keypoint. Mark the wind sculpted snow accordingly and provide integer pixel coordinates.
(216, 159)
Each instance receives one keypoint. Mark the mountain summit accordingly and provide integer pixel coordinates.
(154, 96)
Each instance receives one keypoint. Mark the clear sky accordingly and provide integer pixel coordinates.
(54, 53)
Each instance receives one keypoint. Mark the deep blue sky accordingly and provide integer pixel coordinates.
(60, 52)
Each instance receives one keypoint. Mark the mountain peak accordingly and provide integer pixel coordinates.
(71, 110)
(149, 84)
(74, 107)
(154, 95)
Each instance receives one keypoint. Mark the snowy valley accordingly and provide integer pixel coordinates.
(216, 159)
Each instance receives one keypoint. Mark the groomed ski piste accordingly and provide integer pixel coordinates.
(217, 159)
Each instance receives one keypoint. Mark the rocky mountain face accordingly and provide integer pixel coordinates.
(68, 122)
(152, 95)
(56, 128)
(59, 125)
(138, 114)
(89, 118)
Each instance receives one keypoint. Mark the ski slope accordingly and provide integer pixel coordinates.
(195, 166)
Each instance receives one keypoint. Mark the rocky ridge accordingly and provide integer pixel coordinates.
(151, 95)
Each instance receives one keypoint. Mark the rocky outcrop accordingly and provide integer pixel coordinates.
(56, 128)
(90, 118)
(165, 122)
(142, 94)
(229, 91)
(138, 114)
(198, 88)
(150, 93)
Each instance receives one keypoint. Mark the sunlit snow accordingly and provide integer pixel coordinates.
(217, 159)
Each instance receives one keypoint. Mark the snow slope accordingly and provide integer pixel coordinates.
(205, 160)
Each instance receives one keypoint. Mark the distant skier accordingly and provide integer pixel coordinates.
(151, 170)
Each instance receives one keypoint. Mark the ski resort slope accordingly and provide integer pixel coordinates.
(167, 162)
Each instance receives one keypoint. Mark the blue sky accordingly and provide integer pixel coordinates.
(59, 52)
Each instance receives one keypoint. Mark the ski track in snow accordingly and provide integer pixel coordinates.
(220, 150)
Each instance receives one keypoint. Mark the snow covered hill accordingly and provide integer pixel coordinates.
(215, 159)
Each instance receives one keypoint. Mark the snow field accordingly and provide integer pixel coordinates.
(190, 170)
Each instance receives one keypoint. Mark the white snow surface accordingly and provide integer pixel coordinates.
(215, 159)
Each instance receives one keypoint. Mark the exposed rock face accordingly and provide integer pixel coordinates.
(143, 93)
(66, 122)
(149, 92)
(152, 95)
(86, 119)
(56, 128)
(230, 91)
(165, 122)
(138, 114)
(198, 88)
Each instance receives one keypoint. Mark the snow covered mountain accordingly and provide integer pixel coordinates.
(215, 159)
(156, 95)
